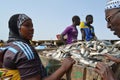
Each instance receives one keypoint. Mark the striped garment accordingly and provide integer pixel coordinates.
(24, 58)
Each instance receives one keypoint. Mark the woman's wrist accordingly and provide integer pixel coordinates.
(63, 68)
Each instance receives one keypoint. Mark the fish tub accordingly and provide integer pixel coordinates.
(79, 72)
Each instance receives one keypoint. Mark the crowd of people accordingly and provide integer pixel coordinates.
(22, 61)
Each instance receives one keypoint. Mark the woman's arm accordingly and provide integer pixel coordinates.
(66, 66)
(57, 75)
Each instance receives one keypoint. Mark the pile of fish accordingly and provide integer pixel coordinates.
(86, 53)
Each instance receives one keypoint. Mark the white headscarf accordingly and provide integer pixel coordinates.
(112, 4)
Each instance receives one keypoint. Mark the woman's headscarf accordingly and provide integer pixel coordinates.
(14, 25)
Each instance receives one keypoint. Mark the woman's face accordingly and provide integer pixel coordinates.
(113, 20)
(26, 30)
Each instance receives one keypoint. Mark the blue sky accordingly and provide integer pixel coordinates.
(51, 17)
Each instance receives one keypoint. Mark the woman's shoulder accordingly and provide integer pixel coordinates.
(18, 46)
(23, 48)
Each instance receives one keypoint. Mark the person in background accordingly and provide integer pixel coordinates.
(20, 55)
(70, 34)
(1, 43)
(112, 16)
(87, 30)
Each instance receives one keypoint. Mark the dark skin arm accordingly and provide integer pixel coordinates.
(62, 39)
(112, 58)
(95, 38)
(104, 71)
(83, 34)
(58, 73)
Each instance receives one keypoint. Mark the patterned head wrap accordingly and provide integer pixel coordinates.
(21, 19)
(15, 23)
(112, 4)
